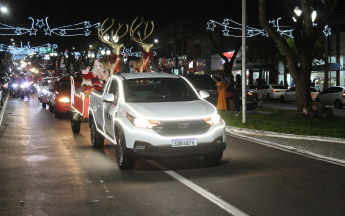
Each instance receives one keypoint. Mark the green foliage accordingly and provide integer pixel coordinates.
(317, 53)
(262, 49)
(286, 121)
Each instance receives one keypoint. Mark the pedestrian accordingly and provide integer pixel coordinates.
(281, 83)
(230, 94)
(237, 91)
(221, 86)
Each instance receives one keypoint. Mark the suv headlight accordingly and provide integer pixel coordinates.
(141, 122)
(64, 99)
(215, 119)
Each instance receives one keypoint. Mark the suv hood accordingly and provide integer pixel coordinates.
(171, 110)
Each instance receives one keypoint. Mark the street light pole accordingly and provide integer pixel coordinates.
(244, 74)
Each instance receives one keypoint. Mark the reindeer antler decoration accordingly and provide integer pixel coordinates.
(115, 66)
(146, 46)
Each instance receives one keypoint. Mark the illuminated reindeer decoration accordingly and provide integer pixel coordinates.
(143, 63)
(112, 41)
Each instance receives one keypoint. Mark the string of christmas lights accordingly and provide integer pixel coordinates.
(22, 51)
(79, 29)
(235, 31)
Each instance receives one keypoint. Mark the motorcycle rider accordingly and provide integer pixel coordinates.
(21, 80)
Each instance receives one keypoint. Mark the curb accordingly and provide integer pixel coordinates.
(234, 130)
(291, 149)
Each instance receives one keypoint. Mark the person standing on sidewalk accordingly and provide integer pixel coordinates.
(237, 91)
(221, 86)
(230, 94)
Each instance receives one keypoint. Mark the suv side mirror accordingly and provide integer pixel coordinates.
(204, 94)
(108, 98)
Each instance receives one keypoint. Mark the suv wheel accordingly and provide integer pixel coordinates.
(51, 108)
(337, 104)
(97, 139)
(75, 125)
(213, 159)
(124, 161)
(56, 113)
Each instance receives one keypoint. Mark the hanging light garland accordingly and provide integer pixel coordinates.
(22, 51)
(235, 29)
(79, 29)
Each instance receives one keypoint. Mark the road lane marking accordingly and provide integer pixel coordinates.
(211, 197)
(3, 110)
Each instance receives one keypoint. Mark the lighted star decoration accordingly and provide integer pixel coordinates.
(32, 31)
(327, 31)
(40, 23)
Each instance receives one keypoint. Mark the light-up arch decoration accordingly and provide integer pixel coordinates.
(22, 51)
(229, 30)
(79, 29)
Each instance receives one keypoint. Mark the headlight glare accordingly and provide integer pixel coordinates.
(64, 99)
(142, 123)
(215, 119)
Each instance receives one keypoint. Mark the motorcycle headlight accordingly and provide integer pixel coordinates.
(26, 84)
(215, 119)
(64, 99)
(14, 85)
(22, 86)
(44, 91)
(142, 123)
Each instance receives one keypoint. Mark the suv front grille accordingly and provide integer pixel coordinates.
(182, 128)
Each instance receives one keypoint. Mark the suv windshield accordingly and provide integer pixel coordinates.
(158, 90)
(64, 86)
(45, 83)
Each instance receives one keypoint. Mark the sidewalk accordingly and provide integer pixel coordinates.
(323, 148)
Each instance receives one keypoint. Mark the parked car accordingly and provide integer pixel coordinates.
(155, 115)
(290, 95)
(334, 95)
(270, 91)
(59, 97)
(43, 87)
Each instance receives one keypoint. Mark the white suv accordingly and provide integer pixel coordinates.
(43, 88)
(334, 95)
(154, 115)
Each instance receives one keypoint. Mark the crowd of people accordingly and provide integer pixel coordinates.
(229, 93)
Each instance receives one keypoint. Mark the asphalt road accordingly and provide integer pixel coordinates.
(292, 106)
(45, 169)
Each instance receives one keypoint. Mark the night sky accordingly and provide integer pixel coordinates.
(67, 12)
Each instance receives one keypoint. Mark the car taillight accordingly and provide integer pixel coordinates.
(343, 95)
(275, 90)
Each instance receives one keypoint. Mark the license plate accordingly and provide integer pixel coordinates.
(68, 107)
(184, 142)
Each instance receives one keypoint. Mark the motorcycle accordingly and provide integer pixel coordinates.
(14, 89)
(32, 87)
(22, 89)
